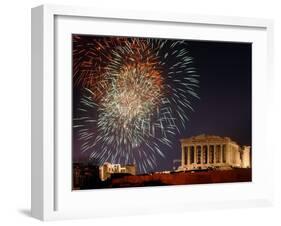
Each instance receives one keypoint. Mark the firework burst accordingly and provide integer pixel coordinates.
(137, 96)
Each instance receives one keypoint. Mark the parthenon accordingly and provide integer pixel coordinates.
(208, 151)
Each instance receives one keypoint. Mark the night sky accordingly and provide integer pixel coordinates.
(224, 107)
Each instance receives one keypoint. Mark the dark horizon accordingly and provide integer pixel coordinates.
(225, 105)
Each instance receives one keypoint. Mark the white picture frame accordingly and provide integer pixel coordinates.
(52, 197)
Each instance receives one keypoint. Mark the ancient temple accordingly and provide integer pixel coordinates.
(208, 151)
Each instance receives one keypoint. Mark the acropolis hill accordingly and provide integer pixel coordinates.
(204, 159)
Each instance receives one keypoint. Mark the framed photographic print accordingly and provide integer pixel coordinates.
(151, 112)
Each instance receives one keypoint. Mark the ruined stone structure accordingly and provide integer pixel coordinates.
(107, 169)
(207, 151)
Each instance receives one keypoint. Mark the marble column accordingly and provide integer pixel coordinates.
(215, 154)
(208, 154)
(188, 156)
(182, 155)
(221, 153)
(195, 154)
(226, 154)
(185, 155)
(202, 155)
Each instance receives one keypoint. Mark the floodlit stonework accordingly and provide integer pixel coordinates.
(107, 169)
(208, 151)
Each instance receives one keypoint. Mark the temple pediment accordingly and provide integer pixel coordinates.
(204, 138)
